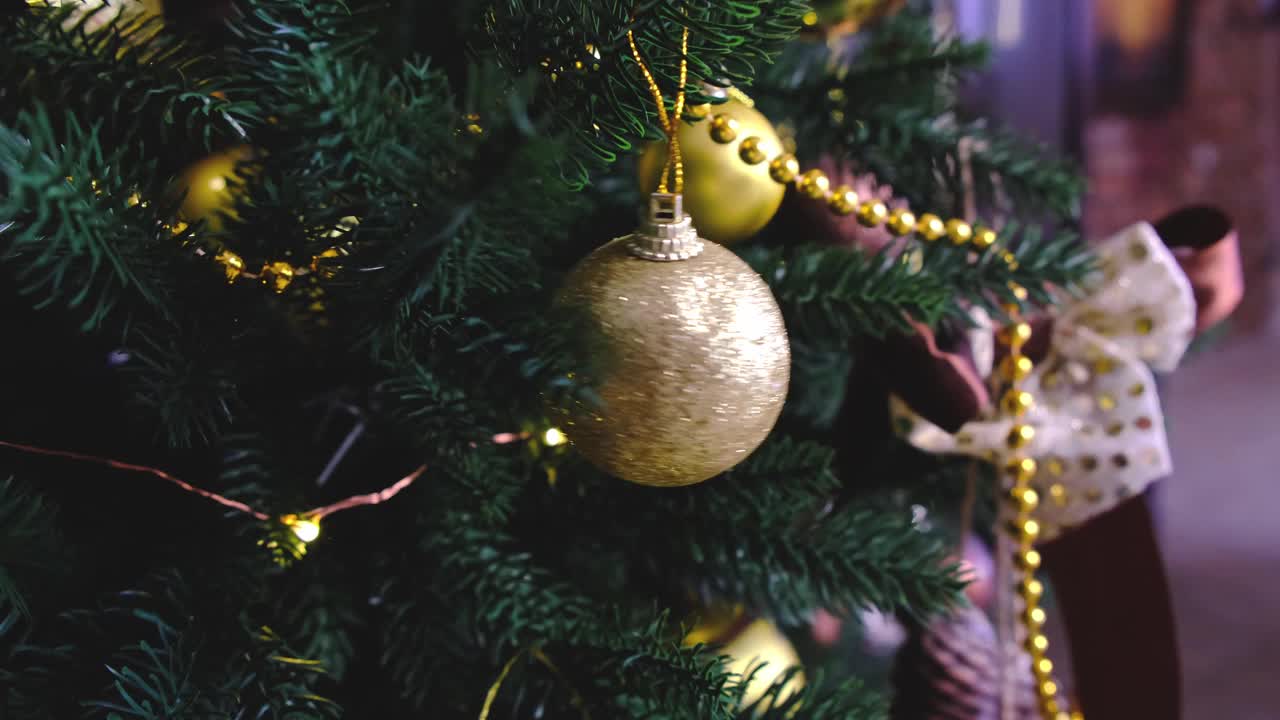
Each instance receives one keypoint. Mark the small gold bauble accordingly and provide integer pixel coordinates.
(1017, 402)
(277, 275)
(232, 263)
(983, 237)
(1014, 368)
(692, 363)
(1026, 499)
(931, 227)
(724, 129)
(1022, 470)
(814, 184)
(209, 187)
(784, 168)
(750, 151)
(959, 231)
(1029, 560)
(762, 653)
(1020, 436)
(727, 187)
(843, 200)
(901, 222)
(1016, 335)
(872, 213)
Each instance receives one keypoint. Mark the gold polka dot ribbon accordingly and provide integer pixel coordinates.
(1081, 430)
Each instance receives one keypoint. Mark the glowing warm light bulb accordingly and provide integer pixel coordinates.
(553, 437)
(306, 530)
(217, 184)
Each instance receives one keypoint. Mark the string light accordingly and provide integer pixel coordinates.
(306, 529)
(305, 526)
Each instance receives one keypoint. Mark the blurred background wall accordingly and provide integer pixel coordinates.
(1166, 103)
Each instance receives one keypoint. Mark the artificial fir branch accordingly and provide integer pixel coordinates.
(776, 545)
(903, 65)
(70, 234)
(910, 150)
(179, 377)
(1043, 263)
(148, 90)
(818, 700)
(834, 293)
(580, 49)
(436, 326)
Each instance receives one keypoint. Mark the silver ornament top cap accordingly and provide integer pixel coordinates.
(667, 234)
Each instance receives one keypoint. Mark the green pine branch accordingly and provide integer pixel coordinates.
(1043, 263)
(149, 90)
(834, 293)
(818, 700)
(645, 672)
(71, 235)
(912, 150)
(775, 544)
(902, 65)
(592, 86)
(179, 379)
(30, 544)
(189, 665)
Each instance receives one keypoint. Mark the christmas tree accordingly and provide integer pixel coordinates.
(299, 422)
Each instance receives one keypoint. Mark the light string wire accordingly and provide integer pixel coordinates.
(291, 519)
(313, 515)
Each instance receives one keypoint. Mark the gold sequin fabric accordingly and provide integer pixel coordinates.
(692, 364)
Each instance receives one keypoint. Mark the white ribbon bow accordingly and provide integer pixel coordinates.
(1100, 435)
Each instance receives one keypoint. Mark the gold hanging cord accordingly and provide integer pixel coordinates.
(674, 167)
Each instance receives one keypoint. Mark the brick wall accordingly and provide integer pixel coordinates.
(1221, 145)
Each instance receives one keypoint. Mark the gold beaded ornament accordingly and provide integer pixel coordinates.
(1022, 499)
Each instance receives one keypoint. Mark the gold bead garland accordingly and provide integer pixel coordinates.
(278, 274)
(275, 274)
(1023, 499)
(843, 200)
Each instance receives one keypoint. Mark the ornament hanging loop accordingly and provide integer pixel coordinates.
(674, 167)
(666, 234)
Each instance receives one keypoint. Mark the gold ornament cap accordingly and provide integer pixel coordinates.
(667, 234)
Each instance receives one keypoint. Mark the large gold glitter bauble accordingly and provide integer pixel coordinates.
(691, 362)
(209, 186)
(729, 196)
(757, 645)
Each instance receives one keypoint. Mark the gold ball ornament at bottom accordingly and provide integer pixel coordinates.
(208, 187)
(691, 359)
(727, 188)
(760, 648)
